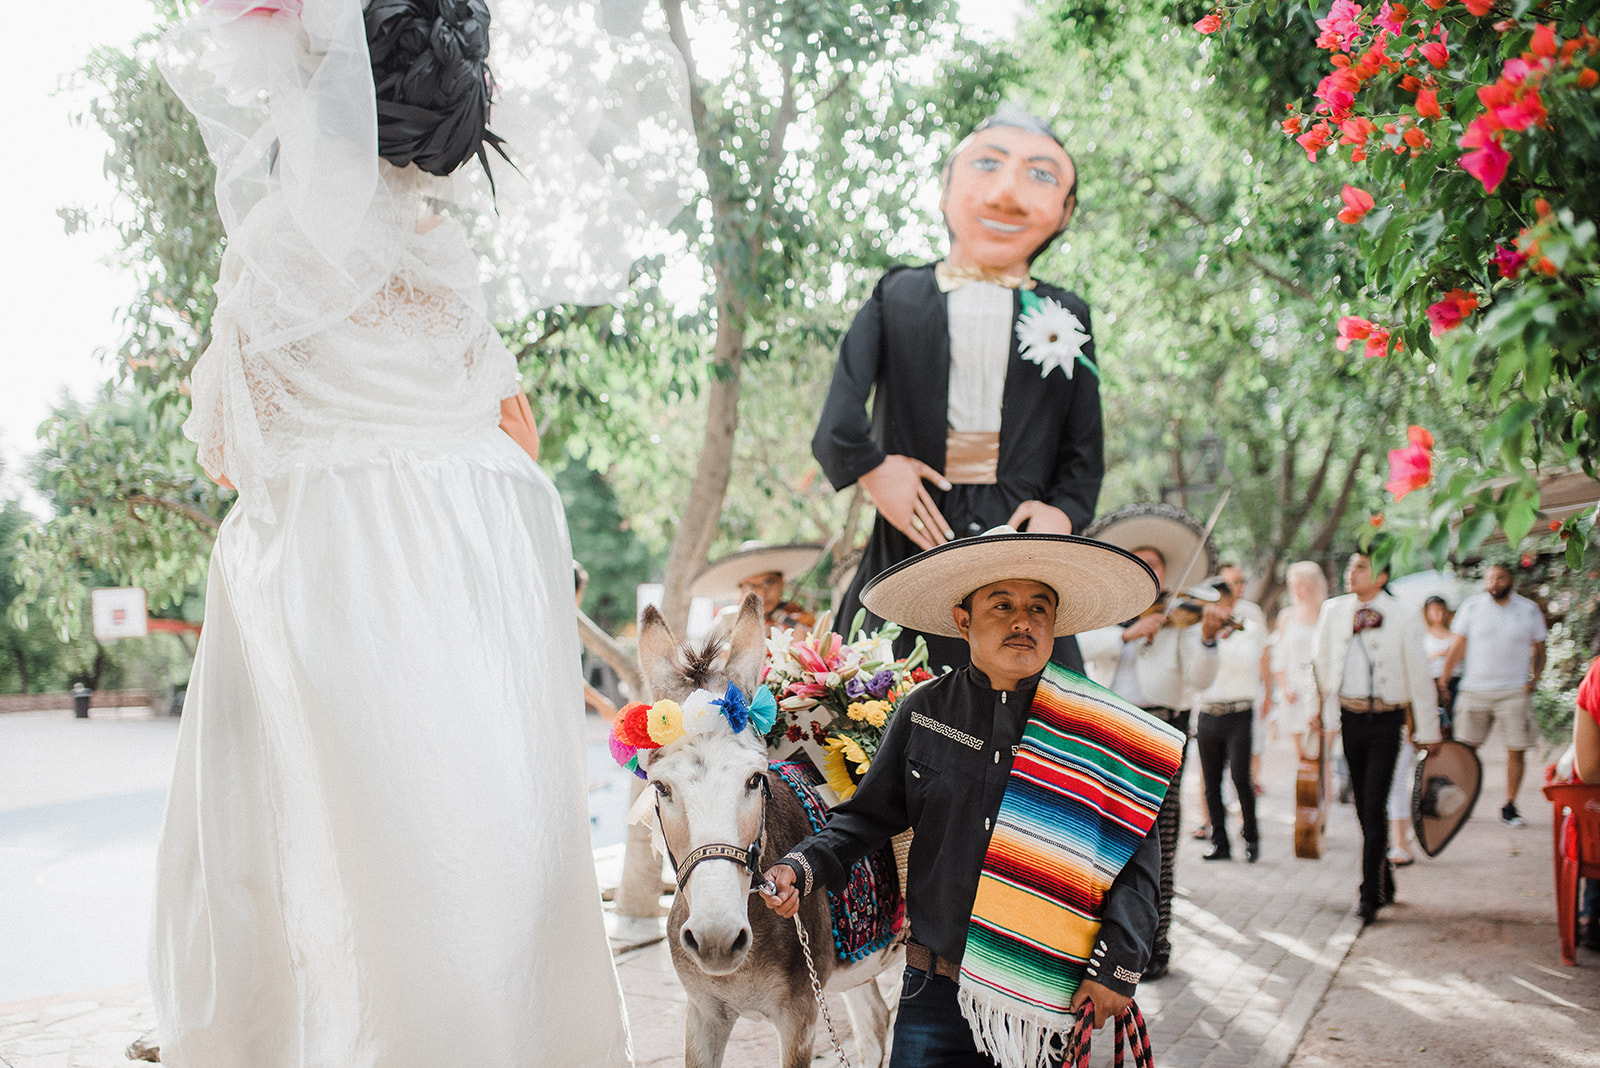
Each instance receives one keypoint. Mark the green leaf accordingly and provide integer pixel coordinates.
(1475, 528)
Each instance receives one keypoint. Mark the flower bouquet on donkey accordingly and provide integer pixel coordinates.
(835, 698)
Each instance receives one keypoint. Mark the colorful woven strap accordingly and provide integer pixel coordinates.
(1129, 1032)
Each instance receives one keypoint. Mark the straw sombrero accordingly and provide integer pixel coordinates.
(720, 579)
(1178, 536)
(1097, 584)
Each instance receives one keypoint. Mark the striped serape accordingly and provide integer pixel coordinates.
(1085, 786)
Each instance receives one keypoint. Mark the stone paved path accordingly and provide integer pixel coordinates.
(1256, 948)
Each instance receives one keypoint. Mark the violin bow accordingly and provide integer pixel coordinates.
(1205, 535)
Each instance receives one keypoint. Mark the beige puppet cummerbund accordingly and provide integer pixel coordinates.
(971, 458)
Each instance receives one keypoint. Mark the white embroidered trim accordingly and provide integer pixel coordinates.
(1125, 975)
(948, 731)
(805, 868)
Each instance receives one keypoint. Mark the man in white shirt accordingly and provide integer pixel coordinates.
(1373, 678)
(1501, 635)
(1226, 724)
(1158, 667)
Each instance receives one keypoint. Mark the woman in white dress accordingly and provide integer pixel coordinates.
(376, 846)
(1292, 643)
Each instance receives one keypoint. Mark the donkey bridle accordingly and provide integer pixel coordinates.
(747, 857)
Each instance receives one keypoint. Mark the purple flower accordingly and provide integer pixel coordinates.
(880, 684)
(855, 689)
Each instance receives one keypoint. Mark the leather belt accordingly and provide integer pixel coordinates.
(1361, 705)
(1227, 708)
(924, 959)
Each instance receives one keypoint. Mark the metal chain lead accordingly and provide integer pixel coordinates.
(816, 989)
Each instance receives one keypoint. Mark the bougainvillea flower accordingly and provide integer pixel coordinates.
(1210, 24)
(1544, 41)
(1356, 130)
(1508, 261)
(1428, 104)
(1352, 329)
(1416, 138)
(1341, 27)
(1315, 140)
(1487, 164)
(1356, 204)
(1378, 343)
(1450, 310)
(1436, 53)
(1479, 7)
(1588, 77)
(1411, 468)
(1392, 17)
(1527, 111)
(1291, 125)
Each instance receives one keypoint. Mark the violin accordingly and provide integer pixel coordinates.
(1188, 608)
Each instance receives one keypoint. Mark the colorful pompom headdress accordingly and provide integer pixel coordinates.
(640, 726)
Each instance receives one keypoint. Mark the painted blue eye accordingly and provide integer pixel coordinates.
(1042, 175)
(986, 163)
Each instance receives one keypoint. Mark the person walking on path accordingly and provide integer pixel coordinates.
(985, 396)
(1226, 726)
(1032, 887)
(1375, 687)
(1159, 668)
(1499, 645)
(1293, 646)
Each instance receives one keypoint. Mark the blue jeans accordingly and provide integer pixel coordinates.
(929, 1030)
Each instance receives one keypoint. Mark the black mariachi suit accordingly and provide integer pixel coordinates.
(1050, 429)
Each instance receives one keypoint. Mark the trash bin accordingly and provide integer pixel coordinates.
(80, 700)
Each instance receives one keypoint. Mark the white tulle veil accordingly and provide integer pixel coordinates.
(591, 103)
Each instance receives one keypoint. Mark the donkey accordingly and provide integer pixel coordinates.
(734, 956)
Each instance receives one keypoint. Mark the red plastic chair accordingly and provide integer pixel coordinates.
(1576, 827)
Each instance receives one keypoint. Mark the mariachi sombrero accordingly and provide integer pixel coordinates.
(1443, 791)
(1096, 584)
(1179, 537)
(720, 579)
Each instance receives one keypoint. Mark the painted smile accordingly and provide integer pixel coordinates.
(1000, 227)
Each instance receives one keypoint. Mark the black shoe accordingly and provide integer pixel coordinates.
(1368, 914)
(1219, 853)
(1156, 968)
(1387, 897)
(1510, 816)
(1252, 851)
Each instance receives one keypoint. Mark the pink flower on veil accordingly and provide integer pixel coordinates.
(254, 7)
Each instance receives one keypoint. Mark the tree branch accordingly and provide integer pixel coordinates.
(1190, 211)
(133, 500)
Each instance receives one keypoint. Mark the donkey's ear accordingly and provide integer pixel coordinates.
(747, 645)
(658, 653)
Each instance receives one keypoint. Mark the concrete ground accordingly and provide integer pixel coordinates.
(1271, 966)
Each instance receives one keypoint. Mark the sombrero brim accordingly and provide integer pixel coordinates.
(720, 579)
(1096, 584)
(1451, 773)
(1178, 536)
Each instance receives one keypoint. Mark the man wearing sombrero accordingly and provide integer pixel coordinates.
(1033, 873)
(763, 570)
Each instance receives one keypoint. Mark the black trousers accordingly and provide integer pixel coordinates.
(1371, 746)
(1168, 818)
(1223, 742)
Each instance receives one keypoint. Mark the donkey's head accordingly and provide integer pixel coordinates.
(710, 786)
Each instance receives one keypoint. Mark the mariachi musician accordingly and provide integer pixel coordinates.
(1154, 661)
(984, 389)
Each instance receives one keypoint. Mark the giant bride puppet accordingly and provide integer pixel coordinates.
(376, 847)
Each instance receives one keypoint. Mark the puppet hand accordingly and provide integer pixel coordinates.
(896, 488)
(1107, 1002)
(1212, 619)
(1040, 518)
(784, 898)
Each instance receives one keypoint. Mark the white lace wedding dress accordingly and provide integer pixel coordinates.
(376, 849)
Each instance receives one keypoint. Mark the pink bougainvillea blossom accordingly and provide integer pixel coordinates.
(1451, 310)
(1436, 53)
(1210, 24)
(1428, 104)
(1392, 17)
(1342, 26)
(1411, 468)
(1357, 203)
(1487, 162)
(1508, 261)
(1479, 8)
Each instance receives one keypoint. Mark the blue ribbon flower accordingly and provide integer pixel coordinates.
(735, 707)
(764, 710)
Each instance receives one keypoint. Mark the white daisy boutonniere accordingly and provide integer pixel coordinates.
(1051, 336)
